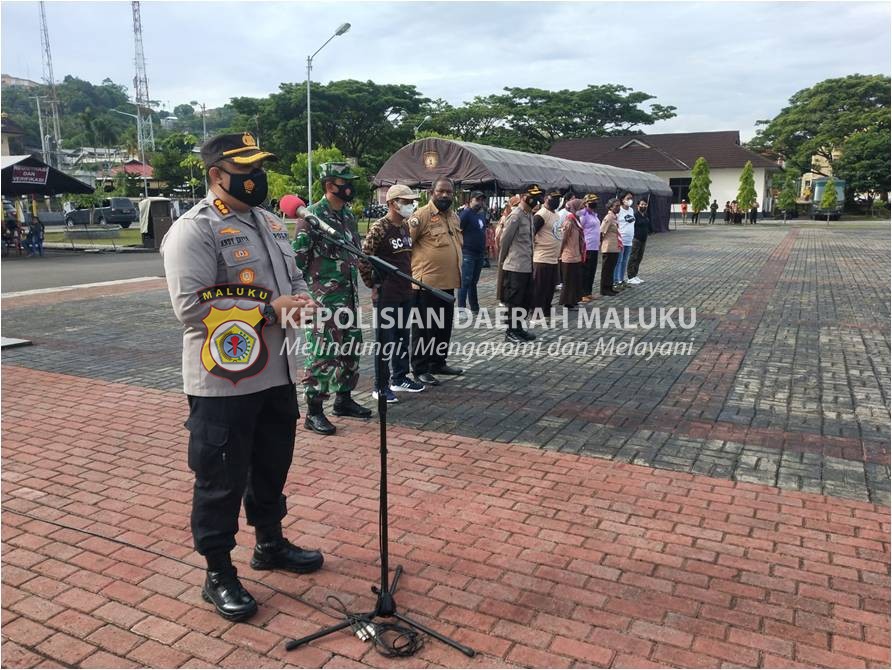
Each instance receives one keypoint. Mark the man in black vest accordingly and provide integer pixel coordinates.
(389, 239)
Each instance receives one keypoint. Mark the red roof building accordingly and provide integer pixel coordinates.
(133, 168)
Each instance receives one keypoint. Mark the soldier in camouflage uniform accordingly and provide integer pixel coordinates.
(333, 360)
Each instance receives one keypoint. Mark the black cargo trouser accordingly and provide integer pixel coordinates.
(608, 264)
(239, 446)
(590, 271)
(638, 245)
(430, 339)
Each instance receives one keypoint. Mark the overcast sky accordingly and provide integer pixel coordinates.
(722, 64)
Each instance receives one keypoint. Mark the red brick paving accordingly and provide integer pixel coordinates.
(534, 557)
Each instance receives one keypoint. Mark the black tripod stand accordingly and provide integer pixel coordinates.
(385, 605)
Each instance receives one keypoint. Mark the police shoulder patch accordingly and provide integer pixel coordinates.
(413, 221)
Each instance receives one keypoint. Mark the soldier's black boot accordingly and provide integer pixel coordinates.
(275, 552)
(316, 419)
(225, 592)
(344, 405)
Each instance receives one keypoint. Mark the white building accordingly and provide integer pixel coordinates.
(672, 156)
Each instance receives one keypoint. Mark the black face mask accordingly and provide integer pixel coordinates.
(532, 202)
(345, 192)
(553, 203)
(443, 203)
(477, 206)
(250, 188)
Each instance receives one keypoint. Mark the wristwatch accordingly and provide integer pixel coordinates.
(269, 313)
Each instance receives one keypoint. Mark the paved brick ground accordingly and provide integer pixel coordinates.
(787, 384)
(534, 557)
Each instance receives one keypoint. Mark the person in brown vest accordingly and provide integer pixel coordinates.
(572, 256)
(436, 261)
(610, 246)
(546, 252)
(516, 261)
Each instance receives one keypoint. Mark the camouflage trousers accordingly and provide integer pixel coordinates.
(332, 364)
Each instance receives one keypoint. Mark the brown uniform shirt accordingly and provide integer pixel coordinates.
(436, 247)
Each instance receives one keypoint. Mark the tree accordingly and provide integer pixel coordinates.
(183, 111)
(368, 120)
(698, 193)
(282, 184)
(327, 155)
(786, 200)
(822, 120)
(746, 193)
(532, 119)
(195, 166)
(864, 164)
(168, 162)
(475, 121)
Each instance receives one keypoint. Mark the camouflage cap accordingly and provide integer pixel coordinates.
(335, 171)
(239, 148)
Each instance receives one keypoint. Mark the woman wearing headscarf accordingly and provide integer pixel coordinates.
(591, 229)
(610, 246)
(572, 256)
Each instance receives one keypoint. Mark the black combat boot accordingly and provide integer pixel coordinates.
(275, 552)
(344, 405)
(224, 591)
(316, 419)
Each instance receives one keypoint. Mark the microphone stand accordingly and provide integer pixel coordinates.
(385, 605)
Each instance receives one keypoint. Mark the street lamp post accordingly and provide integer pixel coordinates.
(142, 150)
(340, 31)
(423, 121)
(204, 136)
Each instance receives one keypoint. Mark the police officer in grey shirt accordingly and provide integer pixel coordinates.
(237, 291)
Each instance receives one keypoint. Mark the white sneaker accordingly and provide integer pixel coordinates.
(635, 280)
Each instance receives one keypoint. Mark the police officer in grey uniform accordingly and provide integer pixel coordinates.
(236, 289)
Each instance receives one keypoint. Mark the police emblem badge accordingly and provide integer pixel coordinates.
(234, 347)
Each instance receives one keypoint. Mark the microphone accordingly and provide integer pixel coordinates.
(292, 207)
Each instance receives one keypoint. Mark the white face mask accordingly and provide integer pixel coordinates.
(407, 210)
(627, 203)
